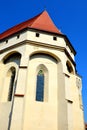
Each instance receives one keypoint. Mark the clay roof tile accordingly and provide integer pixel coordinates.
(41, 22)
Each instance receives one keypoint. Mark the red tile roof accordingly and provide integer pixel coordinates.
(40, 22)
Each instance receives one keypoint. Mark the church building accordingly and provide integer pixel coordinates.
(39, 85)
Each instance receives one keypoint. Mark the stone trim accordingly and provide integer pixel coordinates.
(23, 67)
(62, 49)
(69, 101)
(67, 75)
(19, 95)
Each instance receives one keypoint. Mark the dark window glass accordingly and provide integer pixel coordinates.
(18, 36)
(15, 57)
(37, 34)
(6, 41)
(40, 86)
(55, 38)
(11, 86)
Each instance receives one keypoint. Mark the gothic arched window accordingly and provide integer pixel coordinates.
(11, 62)
(40, 86)
(11, 85)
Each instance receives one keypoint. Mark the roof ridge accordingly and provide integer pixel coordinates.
(34, 18)
(23, 22)
(41, 21)
(18, 25)
(47, 23)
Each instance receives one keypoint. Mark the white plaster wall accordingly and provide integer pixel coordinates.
(78, 120)
(48, 39)
(4, 115)
(31, 35)
(17, 114)
(43, 115)
(13, 40)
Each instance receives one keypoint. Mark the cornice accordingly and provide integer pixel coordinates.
(62, 49)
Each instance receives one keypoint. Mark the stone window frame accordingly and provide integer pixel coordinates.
(10, 65)
(11, 85)
(45, 71)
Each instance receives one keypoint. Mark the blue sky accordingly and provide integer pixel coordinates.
(70, 16)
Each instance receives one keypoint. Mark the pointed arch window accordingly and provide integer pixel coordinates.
(10, 92)
(9, 87)
(40, 86)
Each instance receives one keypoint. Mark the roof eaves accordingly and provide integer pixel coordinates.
(46, 31)
(4, 36)
(8, 36)
(18, 27)
(69, 44)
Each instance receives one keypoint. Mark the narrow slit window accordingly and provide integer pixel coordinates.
(40, 86)
(18, 36)
(37, 34)
(6, 41)
(11, 86)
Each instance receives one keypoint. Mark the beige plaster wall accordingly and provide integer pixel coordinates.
(4, 115)
(41, 113)
(62, 110)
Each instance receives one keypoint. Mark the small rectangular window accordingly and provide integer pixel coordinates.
(18, 36)
(37, 34)
(55, 38)
(6, 41)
